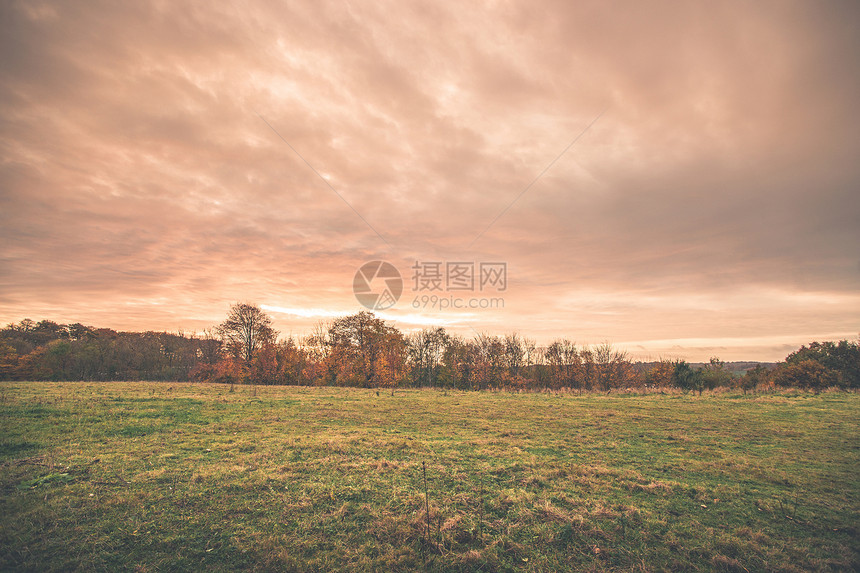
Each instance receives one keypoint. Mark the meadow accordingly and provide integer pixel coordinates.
(163, 477)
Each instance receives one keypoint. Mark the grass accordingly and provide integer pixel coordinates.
(163, 477)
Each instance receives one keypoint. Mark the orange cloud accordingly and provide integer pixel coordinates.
(140, 189)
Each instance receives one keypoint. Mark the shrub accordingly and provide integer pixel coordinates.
(807, 374)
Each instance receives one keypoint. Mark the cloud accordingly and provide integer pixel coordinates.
(139, 187)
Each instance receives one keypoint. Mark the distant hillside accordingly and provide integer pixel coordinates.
(737, 368)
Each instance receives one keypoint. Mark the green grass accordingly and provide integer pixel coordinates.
(165, 477)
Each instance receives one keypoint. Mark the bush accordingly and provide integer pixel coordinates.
(806, 374)
(842, 358)
(752, 379)
(686, 378)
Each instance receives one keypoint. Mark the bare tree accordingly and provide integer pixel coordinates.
(208, 347)
(426, 348)
(459, 362)
(489, 360)
(610, 366)
(319, 348)
(513, 354)
(246, 330)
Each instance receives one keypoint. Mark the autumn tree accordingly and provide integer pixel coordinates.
(518, 357)
(264, 366)
(295, 363)
(660, 374)
(357, 343)
(587, 374)
(564, 363)
(8, 360)
(458, 363)
(489, 360)
(841, 358)
(322, 368)
(208, 349)
(246, 330)
(611, 367)
(392, 369)
(806, 374)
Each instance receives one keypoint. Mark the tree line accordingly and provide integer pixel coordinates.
(363, 350)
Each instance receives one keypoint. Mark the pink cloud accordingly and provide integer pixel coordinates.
(140, 189)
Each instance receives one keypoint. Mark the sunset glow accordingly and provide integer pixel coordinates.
(680, 179)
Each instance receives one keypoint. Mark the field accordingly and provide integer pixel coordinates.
(161, 477)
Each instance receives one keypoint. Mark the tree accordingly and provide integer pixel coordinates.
(358, 343)
(8, 360)
(587, 369)
(754, 378)
(426, 349)
(843, 358)
(518, 355)
(458, 363)
(294, 361)
(715, 374)
(208, 347)
(610, 366)
(322, 367)
(807, 373)
(660, 374)
(246, 330)
(489, 360)
(564, 361)
(685, 378)
(78, 331)
(392, 369)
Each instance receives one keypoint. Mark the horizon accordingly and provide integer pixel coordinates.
(632, 355)
(678, 181)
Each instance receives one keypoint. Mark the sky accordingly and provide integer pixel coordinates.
(680, 179)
